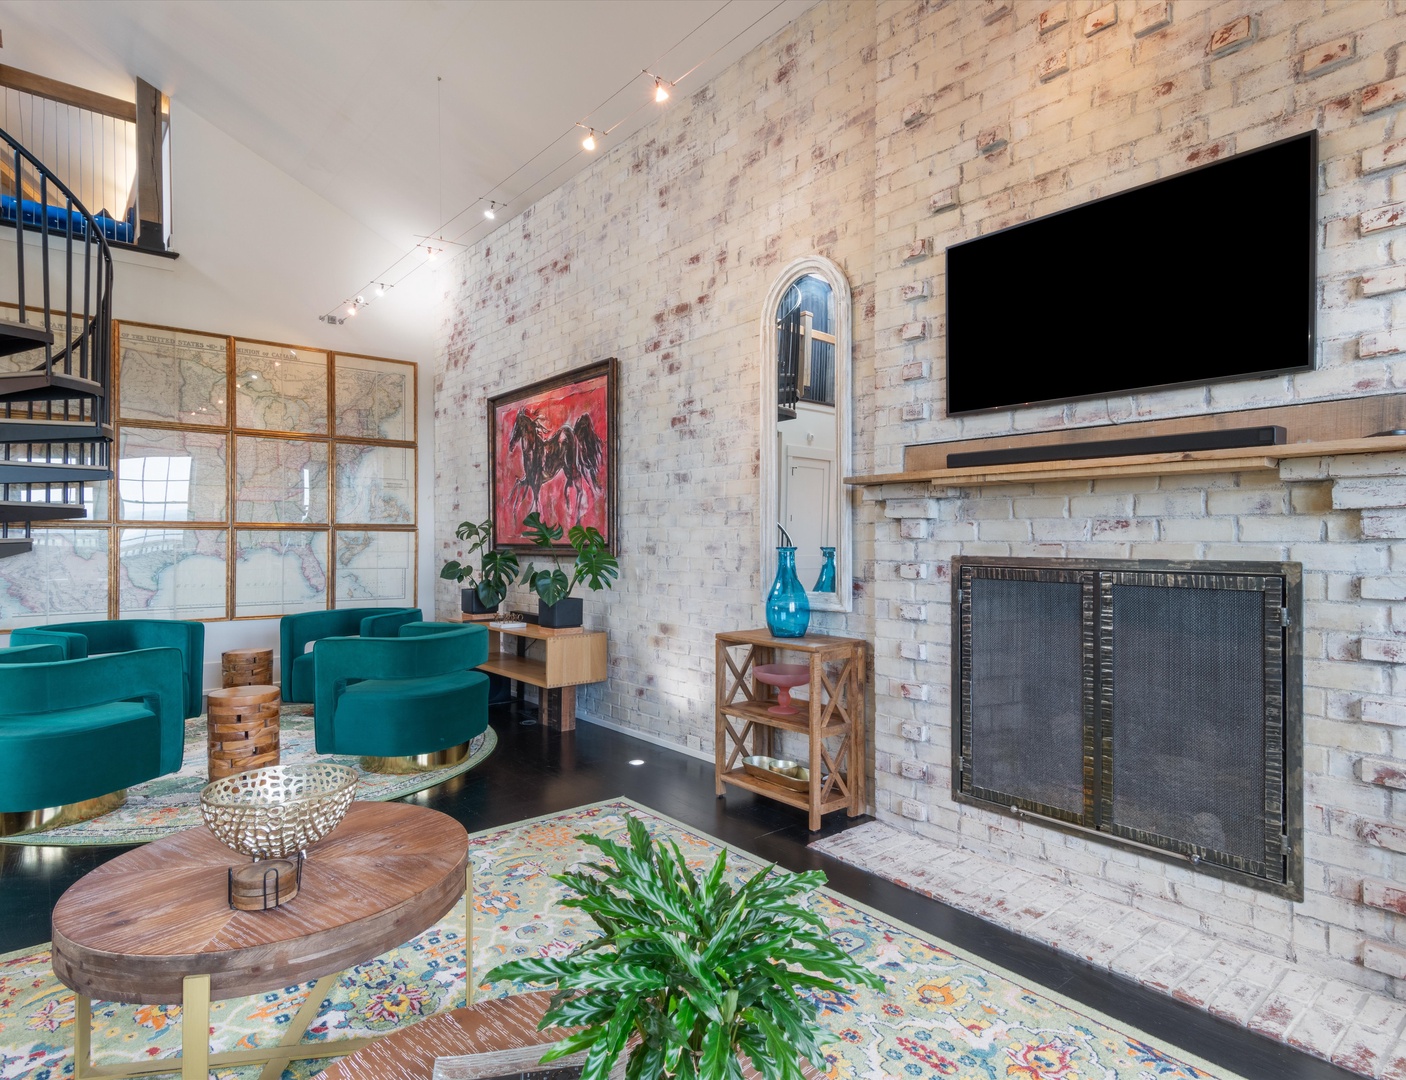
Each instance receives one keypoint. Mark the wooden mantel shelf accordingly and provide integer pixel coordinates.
(1197, 461)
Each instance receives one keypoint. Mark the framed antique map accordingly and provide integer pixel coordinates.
(165, 475)
(277, 388)
(63, 579)
(375, 484)
(171, 375)
(281, 481)
(169, 573)
(278, 571)
(375, 399)
(374, 568)
(250, 479)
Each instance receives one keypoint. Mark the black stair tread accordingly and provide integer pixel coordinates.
(14, 510)
(46, 386)
(14, 546)
(17, 337)
(58, 472)
(23, 429)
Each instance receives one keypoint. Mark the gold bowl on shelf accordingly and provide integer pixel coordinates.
(782, 771)
(278, 811)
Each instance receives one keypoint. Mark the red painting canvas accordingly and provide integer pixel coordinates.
(551, 449)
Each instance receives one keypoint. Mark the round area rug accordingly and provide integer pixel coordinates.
(162, 806)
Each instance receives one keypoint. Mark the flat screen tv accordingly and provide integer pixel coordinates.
(1199, 278)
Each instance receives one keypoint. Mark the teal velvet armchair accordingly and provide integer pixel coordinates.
(73, 731)
(296, 632)
(82, 639)
(402, 702)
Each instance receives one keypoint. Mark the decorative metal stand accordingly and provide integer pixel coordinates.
(264, 883)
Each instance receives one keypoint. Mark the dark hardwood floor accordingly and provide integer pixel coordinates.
(537, 771)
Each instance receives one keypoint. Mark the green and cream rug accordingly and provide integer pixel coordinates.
(170, 803)
(942, 1014)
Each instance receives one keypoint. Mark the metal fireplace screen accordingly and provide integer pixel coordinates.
(1152, 704)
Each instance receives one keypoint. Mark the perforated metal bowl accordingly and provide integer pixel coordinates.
(274, 812)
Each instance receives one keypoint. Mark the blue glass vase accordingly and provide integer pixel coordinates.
(787, 609)
(826, 581)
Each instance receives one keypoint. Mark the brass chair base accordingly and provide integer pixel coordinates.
(417, 763)
(17, 822)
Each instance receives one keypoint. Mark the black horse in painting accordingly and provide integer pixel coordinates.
(574, 450)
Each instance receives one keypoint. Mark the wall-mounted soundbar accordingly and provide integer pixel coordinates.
(1223, 439)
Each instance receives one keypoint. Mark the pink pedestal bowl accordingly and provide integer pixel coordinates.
(783, 677)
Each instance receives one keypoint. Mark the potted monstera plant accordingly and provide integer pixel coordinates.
(690, 974)
(594, 565)
(483, 588)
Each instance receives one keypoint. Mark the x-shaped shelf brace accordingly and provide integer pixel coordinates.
(837, 765)
(739, 676)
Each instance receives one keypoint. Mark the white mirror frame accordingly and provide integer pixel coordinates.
(842, 599)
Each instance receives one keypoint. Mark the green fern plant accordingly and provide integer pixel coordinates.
(697, 971)
(595, 565)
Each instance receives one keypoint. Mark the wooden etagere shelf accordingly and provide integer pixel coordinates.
(833, 708)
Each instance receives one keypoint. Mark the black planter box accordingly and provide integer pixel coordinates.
(561, 615)
(470, 604)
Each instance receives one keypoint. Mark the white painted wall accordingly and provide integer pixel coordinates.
(261, 256)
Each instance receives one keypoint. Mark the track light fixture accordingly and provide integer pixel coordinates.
(434, 246)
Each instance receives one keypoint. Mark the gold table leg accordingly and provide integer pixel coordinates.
(195, 1027)
(298, 1026)
(469, 934)
(82, 1036)
(196, 1060)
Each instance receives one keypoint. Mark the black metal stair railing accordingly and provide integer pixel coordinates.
(55, 353)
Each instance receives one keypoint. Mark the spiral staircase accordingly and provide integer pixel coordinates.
(55, 351)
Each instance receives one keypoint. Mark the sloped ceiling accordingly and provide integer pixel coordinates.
(345, 96)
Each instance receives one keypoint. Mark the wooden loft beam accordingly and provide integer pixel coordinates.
(38, 85)
(152, 117)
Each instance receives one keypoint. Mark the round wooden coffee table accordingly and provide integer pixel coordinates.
(154, 926)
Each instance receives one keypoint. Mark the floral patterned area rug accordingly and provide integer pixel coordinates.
(942, 1014)
(169, 803)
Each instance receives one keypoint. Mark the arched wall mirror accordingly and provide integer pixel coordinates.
(805, 429)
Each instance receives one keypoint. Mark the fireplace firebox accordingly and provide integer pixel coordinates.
(1154, 705)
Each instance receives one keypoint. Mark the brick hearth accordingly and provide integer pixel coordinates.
(1320, 974)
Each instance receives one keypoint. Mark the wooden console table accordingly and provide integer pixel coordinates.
(570, 658)
(835, 709)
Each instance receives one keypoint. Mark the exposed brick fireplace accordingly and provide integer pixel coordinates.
(1151, 705)
(1306, 971)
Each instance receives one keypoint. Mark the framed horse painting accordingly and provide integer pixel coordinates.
(551, 448)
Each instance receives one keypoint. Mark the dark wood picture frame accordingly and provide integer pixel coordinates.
(551, 448)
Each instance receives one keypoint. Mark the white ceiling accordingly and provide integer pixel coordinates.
(343, 95)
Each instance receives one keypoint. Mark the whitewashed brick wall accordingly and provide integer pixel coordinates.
(662, 254)
(877, 135)
(990, 115)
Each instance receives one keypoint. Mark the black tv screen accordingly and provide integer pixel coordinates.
(1202, 277)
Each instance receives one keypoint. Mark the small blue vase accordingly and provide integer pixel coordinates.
(787, 609)
(826, 581)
